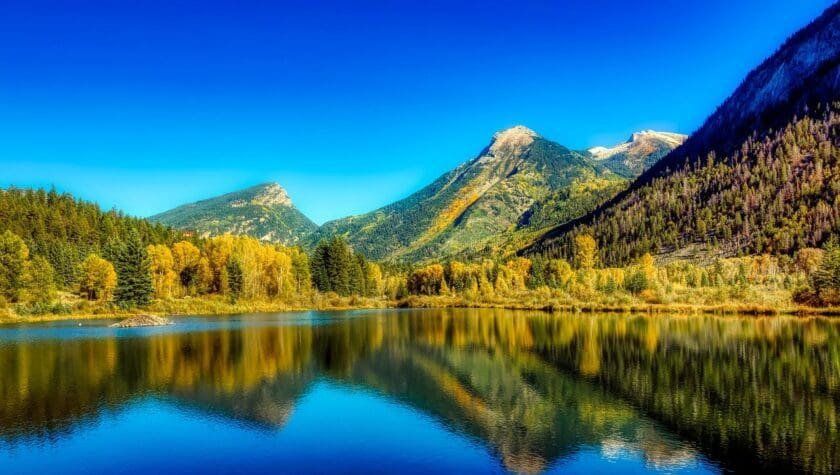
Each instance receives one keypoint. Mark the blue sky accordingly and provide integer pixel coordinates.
(144, 105)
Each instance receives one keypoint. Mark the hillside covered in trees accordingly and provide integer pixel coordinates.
(775, 195)
(65, 230)
(264, 211)
(761, 174)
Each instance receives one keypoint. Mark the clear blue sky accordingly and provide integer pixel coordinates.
(144, 105)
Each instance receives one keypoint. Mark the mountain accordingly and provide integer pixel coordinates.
(518, 183)
(639, 153)
(760, 175)
(263, 211)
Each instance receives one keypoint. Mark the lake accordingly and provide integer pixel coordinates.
(413, 391)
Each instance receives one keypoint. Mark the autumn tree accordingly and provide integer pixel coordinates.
(586, 251)
(40, 281)
(217, 250)
(13, 266)
(186, 263)
(164, 278)
(426, 280)
(97, 278)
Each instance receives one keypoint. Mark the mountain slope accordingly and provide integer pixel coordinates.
(760, 175)
(264, 211)
(485, 202)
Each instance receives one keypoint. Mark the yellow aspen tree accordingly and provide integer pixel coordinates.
(97, 278)
(586, 251)
(161, 267)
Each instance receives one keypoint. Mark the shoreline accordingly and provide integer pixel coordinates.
(215, 307)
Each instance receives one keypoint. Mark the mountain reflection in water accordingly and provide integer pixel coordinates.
(536, 390)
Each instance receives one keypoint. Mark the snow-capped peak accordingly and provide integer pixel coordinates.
(668, 138)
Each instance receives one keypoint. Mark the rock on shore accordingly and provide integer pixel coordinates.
(142, 321)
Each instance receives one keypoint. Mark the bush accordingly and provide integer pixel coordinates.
(43, 308)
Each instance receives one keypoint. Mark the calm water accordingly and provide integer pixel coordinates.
(417, 391)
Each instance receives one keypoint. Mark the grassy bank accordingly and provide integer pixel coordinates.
(637, 307)
(217, 305)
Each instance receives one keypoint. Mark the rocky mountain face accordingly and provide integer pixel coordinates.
(264, 211)
(640, 152)
(520, 182)
(760, 175)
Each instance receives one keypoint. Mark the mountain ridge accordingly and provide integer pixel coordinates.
(264, 211)
(518, 183)
(479, 203)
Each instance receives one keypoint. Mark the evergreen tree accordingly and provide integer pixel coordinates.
(826, 279)
(335, 268)
(357, 275)
(235, 278)
(134, 279)
(339, 261)
(318, 267)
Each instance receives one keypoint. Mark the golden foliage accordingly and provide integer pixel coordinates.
(97, 279)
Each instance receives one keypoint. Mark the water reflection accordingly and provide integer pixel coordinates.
(535, 389)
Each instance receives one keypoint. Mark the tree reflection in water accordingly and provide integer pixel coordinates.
(535, 388)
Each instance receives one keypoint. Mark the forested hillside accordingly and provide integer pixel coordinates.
(64, 230)
(776, 195)
(761, 174)
(263, 211)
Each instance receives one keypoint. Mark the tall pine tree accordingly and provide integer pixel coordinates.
(134, 279)
(235, 279)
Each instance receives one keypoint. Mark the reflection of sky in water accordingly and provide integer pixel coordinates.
(97, 328)
(480, 390)
(333, 428)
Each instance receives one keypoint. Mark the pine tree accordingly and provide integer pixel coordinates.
(826, 278)
(234, 278)
(339, 261)
(134, 279)
(357, 275)
(318, 267)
